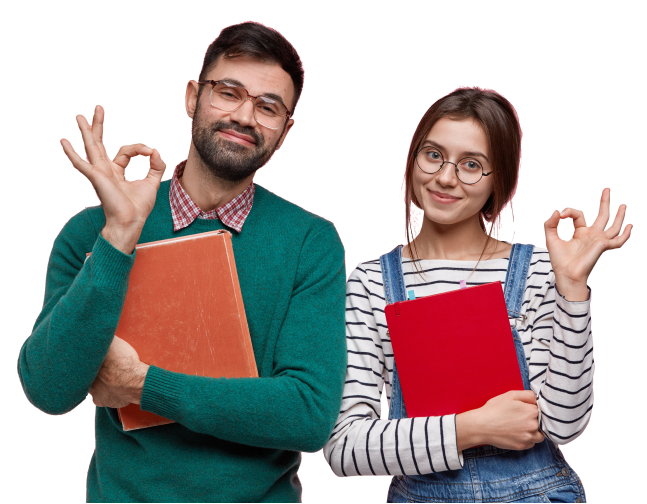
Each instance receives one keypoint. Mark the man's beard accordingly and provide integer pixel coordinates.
(225, 159)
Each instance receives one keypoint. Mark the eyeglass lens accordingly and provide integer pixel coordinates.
(430, 160)
(267, 111)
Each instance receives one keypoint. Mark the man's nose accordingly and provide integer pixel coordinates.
(244, 115)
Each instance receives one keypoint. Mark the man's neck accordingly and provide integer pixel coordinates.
(204, 188)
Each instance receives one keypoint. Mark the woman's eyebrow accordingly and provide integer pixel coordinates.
(465, 153)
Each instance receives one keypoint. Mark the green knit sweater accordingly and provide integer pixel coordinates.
(235, 439)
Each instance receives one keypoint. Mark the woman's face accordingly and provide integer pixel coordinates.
(443, 197)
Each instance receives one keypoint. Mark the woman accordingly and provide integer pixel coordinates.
(461, 171)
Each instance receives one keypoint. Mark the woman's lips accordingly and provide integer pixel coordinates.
(443, 198)
(235, 138)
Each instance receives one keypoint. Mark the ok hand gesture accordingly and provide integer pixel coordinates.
(125, 204)
(573, 260)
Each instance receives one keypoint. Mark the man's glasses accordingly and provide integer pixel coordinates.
(227, 97)
(468, 170)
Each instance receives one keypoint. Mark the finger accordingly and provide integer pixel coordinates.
(83, 166)
(603, 215)
(576, 215)
(127, 152)
(615, 228)
(620, 240)
(91, 149)
(97, 124)
(527, 396)
(538, 437)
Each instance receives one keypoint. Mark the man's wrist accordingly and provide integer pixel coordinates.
(138, 380)
(123, 239)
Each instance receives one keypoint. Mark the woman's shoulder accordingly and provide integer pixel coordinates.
(367, 269)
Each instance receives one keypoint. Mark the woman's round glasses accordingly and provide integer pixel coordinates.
(228, 97)
(468, 170)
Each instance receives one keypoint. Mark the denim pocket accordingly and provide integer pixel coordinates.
(571, 492)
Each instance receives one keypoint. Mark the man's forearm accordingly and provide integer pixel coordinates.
(61, 358)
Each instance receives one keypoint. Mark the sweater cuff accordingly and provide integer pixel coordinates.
(110, 267)
(162, 391)
(454, 458)
(461, 459)
(561, 296)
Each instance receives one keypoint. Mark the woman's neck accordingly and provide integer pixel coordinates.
(461, 241)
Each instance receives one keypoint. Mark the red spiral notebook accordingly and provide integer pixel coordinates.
(184, 313)
(454, 351)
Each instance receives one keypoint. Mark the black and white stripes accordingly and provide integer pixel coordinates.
(557, 342)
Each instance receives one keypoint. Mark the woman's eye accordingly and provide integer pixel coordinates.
(471, 165)
(434, 155)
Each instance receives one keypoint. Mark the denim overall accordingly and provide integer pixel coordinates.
(489, 474)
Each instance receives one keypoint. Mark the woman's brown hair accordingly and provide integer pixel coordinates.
(499, 120)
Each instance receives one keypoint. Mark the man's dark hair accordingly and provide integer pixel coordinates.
(257, 41)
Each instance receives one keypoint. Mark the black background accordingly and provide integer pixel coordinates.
(343, 160)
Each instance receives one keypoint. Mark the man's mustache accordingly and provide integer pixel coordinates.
(222, 125)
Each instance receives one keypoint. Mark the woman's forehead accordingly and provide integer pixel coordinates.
(458, 136)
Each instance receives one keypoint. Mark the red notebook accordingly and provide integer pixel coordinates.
(454, 351)
(184, 312)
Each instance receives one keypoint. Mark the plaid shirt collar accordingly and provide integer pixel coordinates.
(185, 211)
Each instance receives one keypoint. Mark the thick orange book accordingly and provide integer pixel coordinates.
(184, 313)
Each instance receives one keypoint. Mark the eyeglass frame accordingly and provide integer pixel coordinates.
(213, 83)
(442, 165)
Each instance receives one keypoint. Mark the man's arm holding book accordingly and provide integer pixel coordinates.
(71, 336)
(296, 406)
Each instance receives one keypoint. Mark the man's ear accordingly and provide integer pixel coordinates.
(191, 98)
(288, 126)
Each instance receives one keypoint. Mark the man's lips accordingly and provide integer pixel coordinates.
(443, 197)
(237, 137)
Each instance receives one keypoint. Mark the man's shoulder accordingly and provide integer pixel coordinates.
(284, 211)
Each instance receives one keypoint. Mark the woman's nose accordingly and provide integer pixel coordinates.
(447, 174)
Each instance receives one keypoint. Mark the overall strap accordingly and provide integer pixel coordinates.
(392, 277)
(515, 278)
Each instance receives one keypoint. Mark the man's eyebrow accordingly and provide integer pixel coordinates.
(269, 95)
(465, 153)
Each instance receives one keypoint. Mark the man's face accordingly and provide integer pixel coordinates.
(233, 145)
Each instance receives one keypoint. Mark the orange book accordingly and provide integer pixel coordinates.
(184, 313)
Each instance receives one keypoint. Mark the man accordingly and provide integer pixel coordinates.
(235, 439)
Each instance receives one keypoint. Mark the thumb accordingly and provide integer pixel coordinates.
(157, 168)
(550, 226)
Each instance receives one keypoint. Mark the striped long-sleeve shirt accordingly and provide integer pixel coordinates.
(557, 340)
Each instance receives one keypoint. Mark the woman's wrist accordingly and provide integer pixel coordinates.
(469, 431)
(572, 290)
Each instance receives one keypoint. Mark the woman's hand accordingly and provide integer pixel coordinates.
(125, 204)
(508, 421)
(573, 260)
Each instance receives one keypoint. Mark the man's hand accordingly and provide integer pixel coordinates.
(121, 378)
(125, 204)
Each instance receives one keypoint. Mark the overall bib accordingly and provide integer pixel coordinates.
(489, 474)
